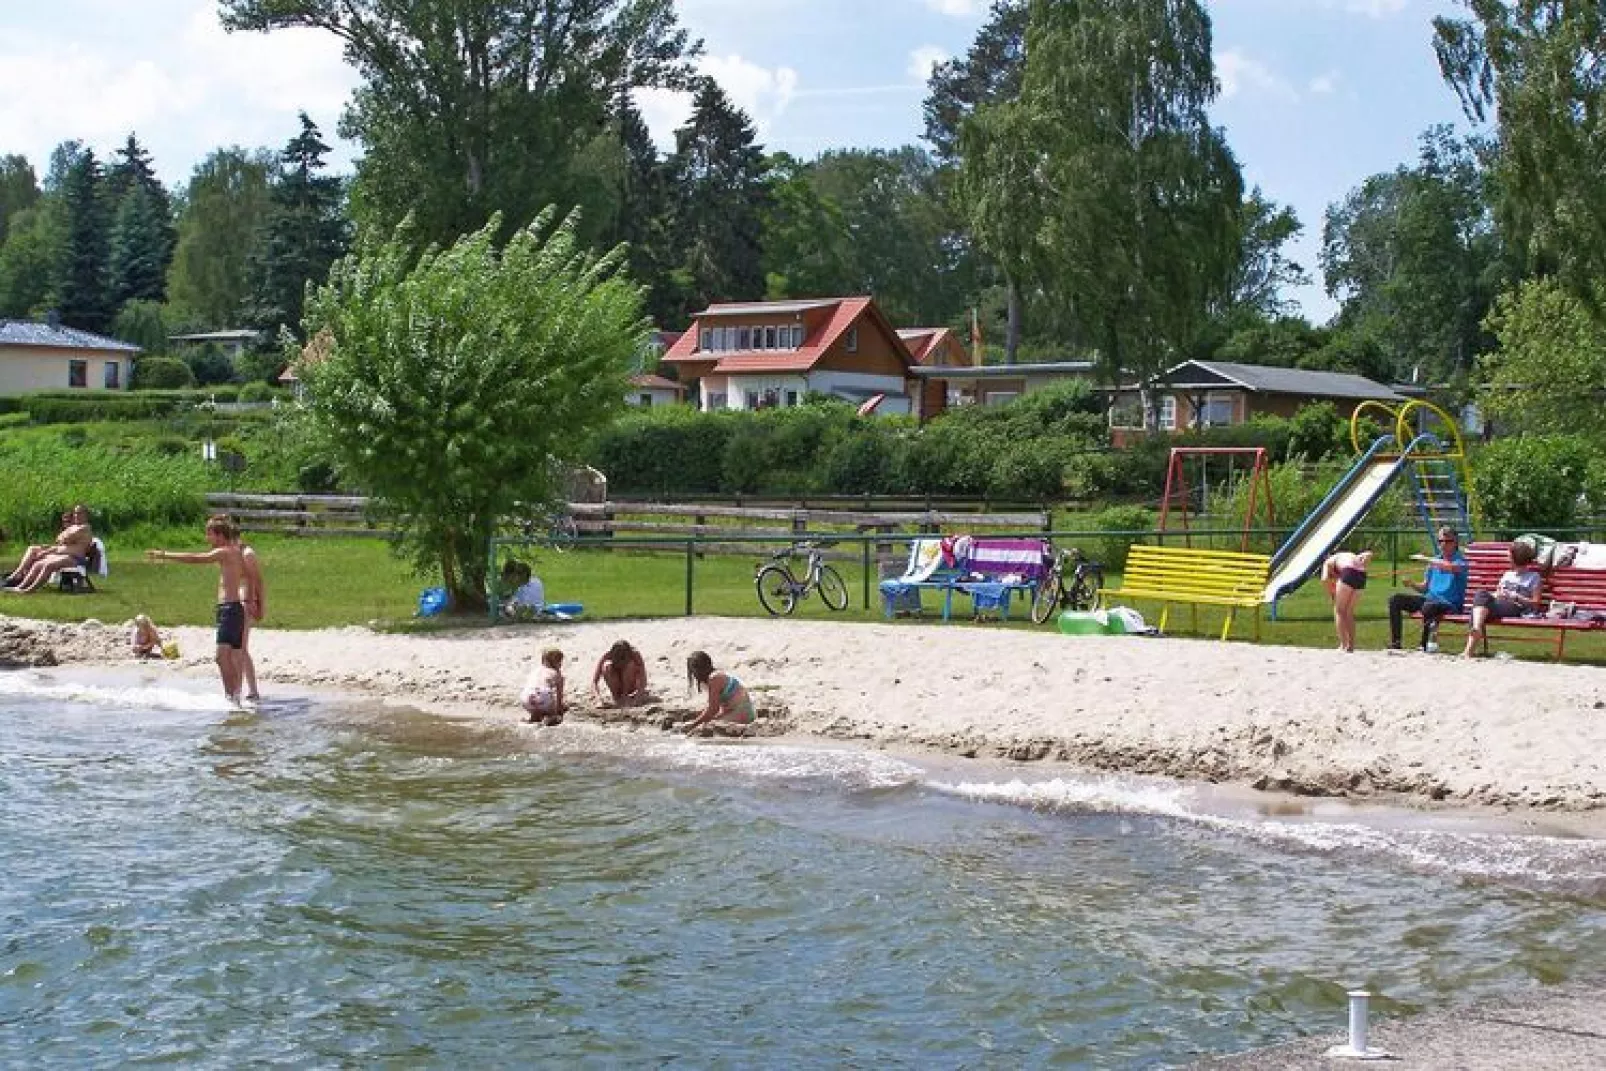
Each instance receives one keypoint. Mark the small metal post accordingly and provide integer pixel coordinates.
(1358, 1048)
(866, 546)
(689, 556)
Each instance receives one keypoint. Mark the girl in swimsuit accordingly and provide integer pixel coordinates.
(1344, 574)
(727, 698)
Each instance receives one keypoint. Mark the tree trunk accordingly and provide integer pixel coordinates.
(1013, 327)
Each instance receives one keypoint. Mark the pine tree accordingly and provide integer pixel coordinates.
(85, 300)
(719, 177)
(306, 231)
(143, 236)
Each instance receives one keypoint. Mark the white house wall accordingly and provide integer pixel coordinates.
(26, 369)
(736, 394)
(862, 384)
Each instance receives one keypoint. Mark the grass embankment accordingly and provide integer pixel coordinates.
(336, 582)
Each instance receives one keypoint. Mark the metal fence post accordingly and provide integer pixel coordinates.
(689, 558)
(865, 543)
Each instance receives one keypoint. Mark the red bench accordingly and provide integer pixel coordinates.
(1486, 562)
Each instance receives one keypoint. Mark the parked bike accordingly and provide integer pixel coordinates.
(780, 589)
(1072, 583)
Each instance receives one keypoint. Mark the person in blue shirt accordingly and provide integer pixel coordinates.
(1443, 590)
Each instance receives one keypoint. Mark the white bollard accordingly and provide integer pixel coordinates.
(1357, 1049)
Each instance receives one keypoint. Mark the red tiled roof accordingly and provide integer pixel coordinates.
(771, 361)
(845, 312)
(651, 382)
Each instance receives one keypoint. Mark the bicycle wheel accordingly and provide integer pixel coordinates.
(1084, 593)
(1047, 597)
(563, 533)
(777, 591)
(833, 592)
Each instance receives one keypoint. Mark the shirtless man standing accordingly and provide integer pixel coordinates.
(232, 591)
(40, 563)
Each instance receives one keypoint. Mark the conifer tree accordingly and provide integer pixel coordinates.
(306, 231)
(719, 176)
(143, 235)
(85, 299)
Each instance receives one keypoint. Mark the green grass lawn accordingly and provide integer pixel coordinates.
(317, 583)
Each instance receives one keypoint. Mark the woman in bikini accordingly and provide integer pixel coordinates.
(727, 697)
(1344, 574)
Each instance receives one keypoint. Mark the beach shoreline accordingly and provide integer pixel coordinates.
(1497, 737)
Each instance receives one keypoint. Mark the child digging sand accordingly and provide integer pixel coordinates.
(543, 691)
(727, 698)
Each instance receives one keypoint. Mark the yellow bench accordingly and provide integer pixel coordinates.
(1198, 577)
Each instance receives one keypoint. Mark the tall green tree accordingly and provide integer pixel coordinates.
(1414, 259)
(86, 300)
(719, 176)
(1263, 274)
(1536, 66)
(225, 211)
(19, 190)
(1548, 374)
(29, 260)
(990, 72)
(449, 384)
(143, 235)
(808, 249)
(1105, 183)
(645, 213)
(306, 231)
(474, 106)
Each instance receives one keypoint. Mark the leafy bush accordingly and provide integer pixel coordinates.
(1032, 469)
(14, 420)
(257, 391)
(1316, 433)
(170, 445)
(1121, 522)
(866, 462)
(317, 478)
(161, 373)
(1534, 483)
(44, 476)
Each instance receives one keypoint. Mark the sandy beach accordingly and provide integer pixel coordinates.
(1412, 728)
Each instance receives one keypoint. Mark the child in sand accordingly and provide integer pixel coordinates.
(625, 672)
(543, 691)
(231, 594)
(1344, 574)
(146, 641)
(727, 697)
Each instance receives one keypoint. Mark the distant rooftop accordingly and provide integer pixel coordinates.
(766, 308)
(1007, 371)
(58, 336)
(241, 335)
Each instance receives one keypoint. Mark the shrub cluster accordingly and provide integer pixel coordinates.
(44, 476)
(72, 407)
(1543, 483)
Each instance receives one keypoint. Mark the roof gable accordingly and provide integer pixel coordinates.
(845, 314)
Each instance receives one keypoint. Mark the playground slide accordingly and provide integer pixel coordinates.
(1304, 552)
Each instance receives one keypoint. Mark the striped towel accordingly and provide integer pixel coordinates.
(996, 557)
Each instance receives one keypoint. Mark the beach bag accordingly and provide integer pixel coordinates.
(1561, 610)
(431, 601)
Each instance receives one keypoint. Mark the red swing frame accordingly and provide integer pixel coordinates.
(1176, 484)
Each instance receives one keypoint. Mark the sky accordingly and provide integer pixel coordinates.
(1316, 95)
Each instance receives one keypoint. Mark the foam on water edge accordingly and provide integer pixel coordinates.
(122, 694)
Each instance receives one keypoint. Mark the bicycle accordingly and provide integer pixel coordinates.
(556, 528)
(779, 589)
(1072, 582)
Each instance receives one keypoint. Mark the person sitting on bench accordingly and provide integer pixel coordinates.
(40, 563)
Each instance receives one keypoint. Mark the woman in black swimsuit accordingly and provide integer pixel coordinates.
(1344, 574)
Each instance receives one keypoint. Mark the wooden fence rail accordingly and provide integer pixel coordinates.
(328, 515)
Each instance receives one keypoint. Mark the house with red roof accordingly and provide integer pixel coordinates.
(934, 347)
(757, 354)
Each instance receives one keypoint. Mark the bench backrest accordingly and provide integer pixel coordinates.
(1486, 562)
(1184, 571)
(1027, 558)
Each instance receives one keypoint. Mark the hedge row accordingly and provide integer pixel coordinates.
(1048, 445)
(64, 407)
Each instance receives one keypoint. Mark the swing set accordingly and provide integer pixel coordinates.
(1178, 498)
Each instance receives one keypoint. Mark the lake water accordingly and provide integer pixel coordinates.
(327, 883)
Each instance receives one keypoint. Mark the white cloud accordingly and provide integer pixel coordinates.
(959, 9)
(1324, 85)
(183, 93)
(923, 59)
(764, 93)
(1242, 74)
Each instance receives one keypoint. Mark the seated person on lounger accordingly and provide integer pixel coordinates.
(40, 563)
(1516, 594)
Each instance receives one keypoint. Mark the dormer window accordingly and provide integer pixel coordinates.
(850, 341)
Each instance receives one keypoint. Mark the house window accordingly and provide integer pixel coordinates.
(797, 336)
(769, 338)
(1001, 397)
(114, 375)
(791, 398)
(1127, 414)
(77, 373)
(752, 399)
(850, 341)
(744, 337)
(1217, 411)
(1168, 412)
(705, 339)
(715, 401)
(646, 401)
